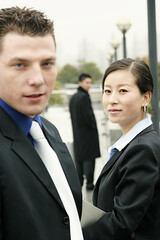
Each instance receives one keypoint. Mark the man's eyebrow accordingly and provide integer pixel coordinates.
(19, 59)
(49, 59)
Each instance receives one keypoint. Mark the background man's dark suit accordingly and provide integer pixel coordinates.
(130, 199)
(85, 134)
(30, 207)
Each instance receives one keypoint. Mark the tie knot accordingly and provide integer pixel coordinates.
(36, 131)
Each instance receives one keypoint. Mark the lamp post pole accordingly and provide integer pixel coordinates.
(124, 44)
(115, 44)
(111, 53)
(153, 62)
(124, 25)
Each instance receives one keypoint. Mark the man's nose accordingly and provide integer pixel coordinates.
(36, 76)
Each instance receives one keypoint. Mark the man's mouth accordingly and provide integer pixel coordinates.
(35, 97)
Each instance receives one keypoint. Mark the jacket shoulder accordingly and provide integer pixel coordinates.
(50, 127)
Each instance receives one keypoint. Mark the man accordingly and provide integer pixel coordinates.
(31, 207)
(85, 134)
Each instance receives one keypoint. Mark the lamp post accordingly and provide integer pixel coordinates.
(115, 44)
(109, 59)
(111, 53)
(152, 37)
(124, 25)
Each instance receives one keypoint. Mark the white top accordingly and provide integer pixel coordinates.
(132, 133)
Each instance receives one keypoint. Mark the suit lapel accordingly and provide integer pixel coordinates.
(117, 154)
(26, 152)
(110, 162)
(113, 160)
(36, 165)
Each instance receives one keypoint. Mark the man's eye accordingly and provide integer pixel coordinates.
(47, 64)
(19, 65)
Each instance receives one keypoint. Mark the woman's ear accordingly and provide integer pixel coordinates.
(147, 98)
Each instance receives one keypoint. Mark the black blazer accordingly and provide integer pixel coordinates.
(85, 133)
(30, 207)
(128, 189)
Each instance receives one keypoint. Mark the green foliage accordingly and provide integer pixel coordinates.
(56, 99)
(92, 69)
(68, 74)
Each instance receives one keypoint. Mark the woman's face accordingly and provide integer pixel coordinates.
(122, 99)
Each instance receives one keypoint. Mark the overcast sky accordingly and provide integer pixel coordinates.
(85, 28)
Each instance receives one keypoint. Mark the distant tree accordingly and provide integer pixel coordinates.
(145, 59)
(56, 99)
(92, 69)
(68, 74)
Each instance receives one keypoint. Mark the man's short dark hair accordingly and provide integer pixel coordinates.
(24, 21)
(83, 76)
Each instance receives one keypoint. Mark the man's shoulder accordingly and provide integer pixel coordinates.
(80, 94)
(47, 123)
(50, 126)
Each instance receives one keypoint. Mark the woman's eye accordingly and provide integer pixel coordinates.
(107, 91)
(123, 90)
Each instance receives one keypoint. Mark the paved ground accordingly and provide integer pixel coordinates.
(60, 117)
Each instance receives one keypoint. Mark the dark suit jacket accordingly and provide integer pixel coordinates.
(85, 133)
(30, 208)
(128, 189)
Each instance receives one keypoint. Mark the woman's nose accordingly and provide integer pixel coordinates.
(113, 97)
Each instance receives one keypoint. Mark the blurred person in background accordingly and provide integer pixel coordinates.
(85, 133)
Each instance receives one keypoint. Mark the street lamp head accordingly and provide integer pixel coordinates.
(115, 43)
(124, 25)
(108, 57)
(111, 52)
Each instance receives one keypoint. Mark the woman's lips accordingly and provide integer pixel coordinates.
(114, 110)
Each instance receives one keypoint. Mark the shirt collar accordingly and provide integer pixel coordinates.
(134, 131)
(22, 120)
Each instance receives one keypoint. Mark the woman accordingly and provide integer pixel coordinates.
(128, 188)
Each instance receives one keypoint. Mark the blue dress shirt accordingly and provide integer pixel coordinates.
(22, 120)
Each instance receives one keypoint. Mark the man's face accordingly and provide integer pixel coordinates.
(27, 72)
(86, 84)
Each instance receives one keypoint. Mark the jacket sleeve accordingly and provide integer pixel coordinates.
(137, 178)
